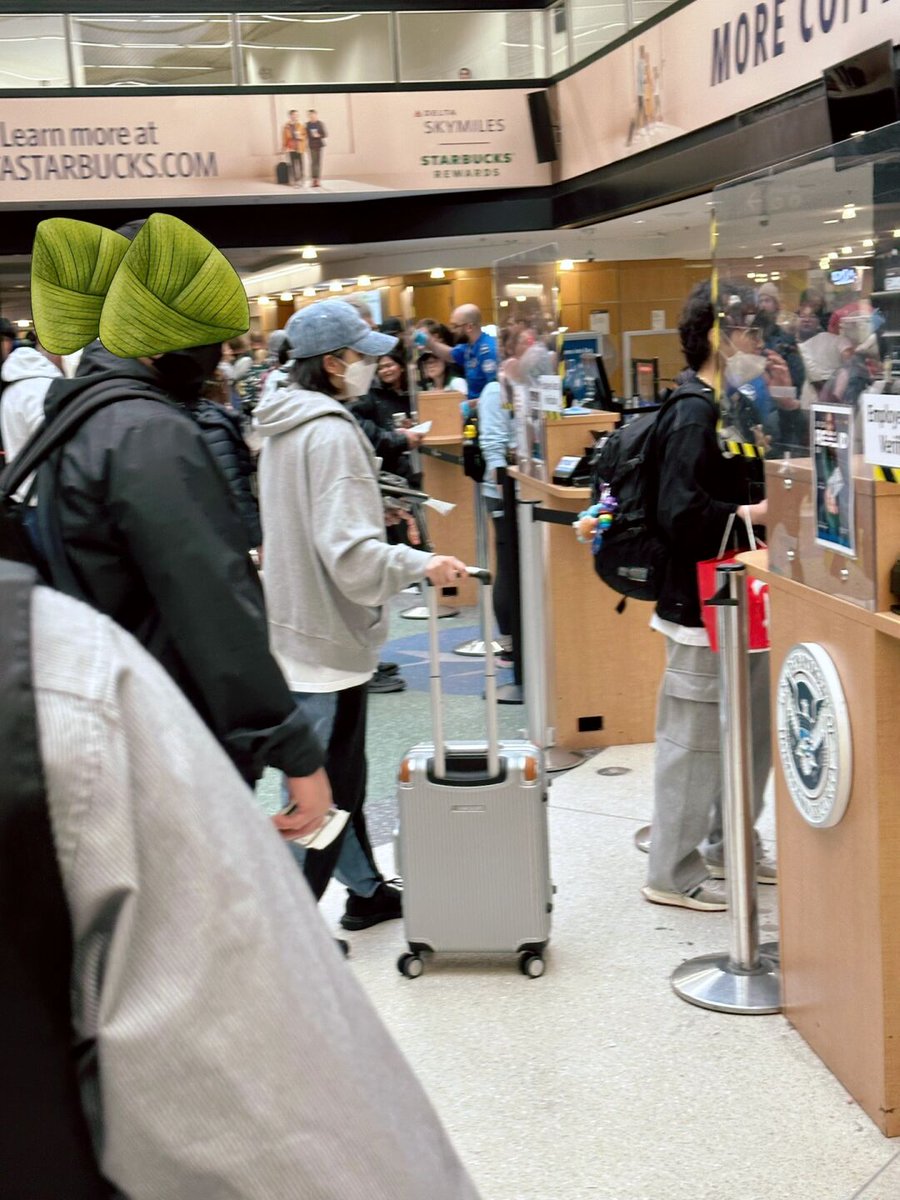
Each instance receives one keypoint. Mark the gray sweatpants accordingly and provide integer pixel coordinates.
(687, 808)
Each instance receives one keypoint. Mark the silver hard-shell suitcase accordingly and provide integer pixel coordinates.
(472, 843)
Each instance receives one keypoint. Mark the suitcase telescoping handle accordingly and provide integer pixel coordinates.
(490, 676)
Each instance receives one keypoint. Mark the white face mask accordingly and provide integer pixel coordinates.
(743, 368)
(357, 378)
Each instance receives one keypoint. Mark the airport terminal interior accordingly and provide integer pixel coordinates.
(570, 173)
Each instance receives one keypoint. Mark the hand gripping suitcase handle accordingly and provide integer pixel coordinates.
(490, 675)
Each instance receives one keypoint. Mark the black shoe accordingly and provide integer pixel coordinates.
(380, 682)
(388, 668)
(386, 904)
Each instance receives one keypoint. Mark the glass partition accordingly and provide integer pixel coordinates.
(595, 25)
(316, 48)
(643, 10)
(463, 46)
(33, 52)
(154, 50)
(557, 38)
(808, 261)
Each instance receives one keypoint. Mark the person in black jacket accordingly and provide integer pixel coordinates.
(222, 430)
(702, 489)
(150, 534)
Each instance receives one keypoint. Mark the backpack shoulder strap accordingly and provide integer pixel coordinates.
(40, 1106)
(54, 433)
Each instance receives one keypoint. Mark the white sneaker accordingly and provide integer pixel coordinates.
(705, 897)
(766, 870)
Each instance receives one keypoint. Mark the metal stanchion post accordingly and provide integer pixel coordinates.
(475, 647)
(742, 981)
(512, 693)
(531, 560)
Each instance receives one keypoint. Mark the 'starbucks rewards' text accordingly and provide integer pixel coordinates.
(446, 124)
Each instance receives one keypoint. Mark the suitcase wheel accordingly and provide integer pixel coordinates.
(410, 965)
(531, 965)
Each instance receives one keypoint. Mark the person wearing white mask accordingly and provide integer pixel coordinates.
(329, 570)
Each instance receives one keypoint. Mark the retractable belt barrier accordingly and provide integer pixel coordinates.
(745, 980)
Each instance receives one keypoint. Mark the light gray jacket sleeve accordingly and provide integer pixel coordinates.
(494, 429)
(348, 522)
(232, 1053)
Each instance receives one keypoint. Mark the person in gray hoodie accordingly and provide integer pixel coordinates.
(329, 570)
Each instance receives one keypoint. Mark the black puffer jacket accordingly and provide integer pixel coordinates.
(377, 424)
(222, 432)
(154, 540)
(698, 490)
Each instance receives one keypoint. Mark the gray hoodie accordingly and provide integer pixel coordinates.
(327, 568)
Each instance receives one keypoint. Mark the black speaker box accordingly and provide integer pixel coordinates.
(542, 126)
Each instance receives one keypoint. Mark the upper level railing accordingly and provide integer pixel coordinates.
(307, 49)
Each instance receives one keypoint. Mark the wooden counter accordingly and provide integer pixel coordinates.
(839, 888)
(603, 667)
(455, 532)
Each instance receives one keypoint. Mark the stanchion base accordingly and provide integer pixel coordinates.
(511, 693)
(771, 951)
(711, 982)
(557, 759)
(475, 648)
(642, 839)
(419, 612)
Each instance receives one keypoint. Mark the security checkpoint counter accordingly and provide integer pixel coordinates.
(443, 478)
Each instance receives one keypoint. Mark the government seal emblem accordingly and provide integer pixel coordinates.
(814, 735)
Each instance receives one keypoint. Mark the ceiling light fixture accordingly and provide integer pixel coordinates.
(263, 300)
(521, 299)
(846, 249)
(309, 253)
(832, 221)
(364, 281)
(335, 286)
(848, 212)
(868, 243)
(286, 297)
(23, 324)
(824, 263)
(310, 291)
(437, 273)
(567, 264)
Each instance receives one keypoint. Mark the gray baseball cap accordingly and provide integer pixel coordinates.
(331, 325)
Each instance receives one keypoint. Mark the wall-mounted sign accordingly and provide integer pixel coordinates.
(736, 54)
(832, 435)
(845, 277)
(814, 735)
(115, 147)
(881, 429)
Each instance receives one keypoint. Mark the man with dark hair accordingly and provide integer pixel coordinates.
(702, 492)
(316, 135)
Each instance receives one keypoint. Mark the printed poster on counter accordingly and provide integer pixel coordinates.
(125, 147)
(832, 430)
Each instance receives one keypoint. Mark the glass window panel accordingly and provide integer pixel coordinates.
(470, 45)
(643, 10)
(557, 37)
(316, 48)
(595, 25)
(33, 52)
(158, 50)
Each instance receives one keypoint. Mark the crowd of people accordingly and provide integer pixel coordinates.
(226, 515)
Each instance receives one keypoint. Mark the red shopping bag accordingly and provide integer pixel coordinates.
(757, 594)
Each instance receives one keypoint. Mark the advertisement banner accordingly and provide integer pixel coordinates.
(709, 60)
(115, 147)
(881, 429)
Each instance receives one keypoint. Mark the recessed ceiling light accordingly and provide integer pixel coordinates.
(759, 257)
(832, 221)
(310, 291)
(868, 243)
(521, 299)
(848, 212)
(566, 264)
(309, 253)
(846, 249)
(262, 300)
(364, 281)
(286, 297)
(335, 286)
(437, 273)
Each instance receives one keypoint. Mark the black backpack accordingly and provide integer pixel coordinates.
(632, 556)
(25, 537)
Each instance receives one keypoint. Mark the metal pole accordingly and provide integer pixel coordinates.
(434, 680)
(742, 981)
(531, 575)
(475, 647)
(419, 612)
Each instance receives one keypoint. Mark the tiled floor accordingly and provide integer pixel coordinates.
(596, 1081)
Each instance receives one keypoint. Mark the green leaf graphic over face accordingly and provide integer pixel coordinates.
(174, 289)
(72, 266)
